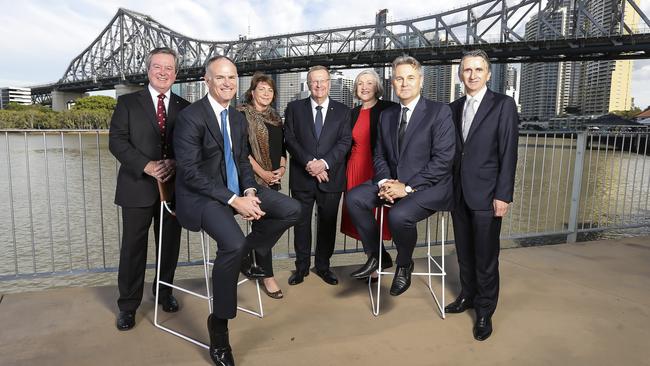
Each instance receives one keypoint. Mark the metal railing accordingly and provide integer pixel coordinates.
(58, 216)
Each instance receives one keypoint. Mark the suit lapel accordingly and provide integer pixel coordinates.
(394, 122)
(173, 109)
(149, 109)
(211, 121)
(413, 125)
(329, 120)
(483, 109)
(235, 132)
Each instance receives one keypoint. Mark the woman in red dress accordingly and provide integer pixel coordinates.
(364, 118)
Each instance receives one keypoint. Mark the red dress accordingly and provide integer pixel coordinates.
(359, 170)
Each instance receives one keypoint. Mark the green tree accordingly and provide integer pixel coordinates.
(95, 102)
(629, 114)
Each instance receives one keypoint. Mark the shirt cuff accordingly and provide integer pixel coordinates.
(232, 199)
(248, 189)
(382, 182)
(327, 166)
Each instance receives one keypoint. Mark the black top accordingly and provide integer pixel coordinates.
(277, 149)
(375, 111)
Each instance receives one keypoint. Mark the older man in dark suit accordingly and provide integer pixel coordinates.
(318, 138)
(215, 180)
(140, 137)
(484, 176)
(413, 172)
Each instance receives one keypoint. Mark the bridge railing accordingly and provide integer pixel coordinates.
(58, 215)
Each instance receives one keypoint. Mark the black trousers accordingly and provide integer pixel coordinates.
(327, 209)
(477, 246)
(403, 218)
(136, 222)
(218, 221)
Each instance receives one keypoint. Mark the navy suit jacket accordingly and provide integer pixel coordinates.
(200, 164)
(134, 139)
(332, 146)
(426, 156)
(486, 162)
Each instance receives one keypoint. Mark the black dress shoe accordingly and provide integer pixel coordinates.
(328, 276)
(249, 270)
(169, 303)
(482, 328)
(220, 351)
(253, 272)
(459, 305)
(402, 280)
(125, 320)
(298, 276)
(372, 264)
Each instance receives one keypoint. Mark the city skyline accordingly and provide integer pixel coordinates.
(59, 32)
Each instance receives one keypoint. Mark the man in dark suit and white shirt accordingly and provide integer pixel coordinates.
(215, 180)
(413, 172)
(318, 138)
(484, 178)
(140, 137)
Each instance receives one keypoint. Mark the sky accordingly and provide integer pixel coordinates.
(39, 38)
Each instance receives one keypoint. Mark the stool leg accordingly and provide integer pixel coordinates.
(159, 256)
(205, 248)
(375, 306)
(259, 313)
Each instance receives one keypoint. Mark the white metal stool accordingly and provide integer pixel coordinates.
(205, 249)
(438, 270)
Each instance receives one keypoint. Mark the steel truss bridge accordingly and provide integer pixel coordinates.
(117, 55)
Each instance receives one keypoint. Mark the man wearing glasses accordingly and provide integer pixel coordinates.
(318, 138)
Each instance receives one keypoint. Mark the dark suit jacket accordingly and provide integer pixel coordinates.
(485, 163)
(134, 139)
(375, 111)
(425, 159)
(333, 145)
(200, 164)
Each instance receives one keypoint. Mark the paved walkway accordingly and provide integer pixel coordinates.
(568, 304)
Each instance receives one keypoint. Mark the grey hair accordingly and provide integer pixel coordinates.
(407, 60)
(164, 51)
(379, 86)
(316, 68)
(474, 53)
(217, 58)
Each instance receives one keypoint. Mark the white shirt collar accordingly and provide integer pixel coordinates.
(154, 96)
(216, 107)
(478, 97)
(411, 106)
(325, 104)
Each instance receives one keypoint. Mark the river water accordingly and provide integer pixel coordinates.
(57, 212)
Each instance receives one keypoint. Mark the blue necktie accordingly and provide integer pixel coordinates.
(231, 169)
(318, 124)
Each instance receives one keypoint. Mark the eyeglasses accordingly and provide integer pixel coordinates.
(317, 82)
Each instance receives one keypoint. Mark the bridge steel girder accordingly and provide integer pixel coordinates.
(117, 55)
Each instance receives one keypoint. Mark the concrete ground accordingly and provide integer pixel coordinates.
(568, 304)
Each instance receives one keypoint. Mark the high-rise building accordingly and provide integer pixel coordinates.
(582, 87)
(511, 88)
(191, 91)
(497, 81)
(606, 84)
(13, 94)
(438, 84)
(341, 88)
(545, 87)
(288, 86)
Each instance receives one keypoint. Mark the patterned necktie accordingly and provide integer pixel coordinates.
(231, 169)
(402, 128)
(161, 116)
(318, 124)
(468, 116)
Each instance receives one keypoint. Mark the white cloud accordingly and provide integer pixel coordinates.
(40, 38)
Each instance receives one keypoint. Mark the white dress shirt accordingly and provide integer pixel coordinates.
(476, 101)
(154, 97)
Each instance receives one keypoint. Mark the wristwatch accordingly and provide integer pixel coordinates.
(409, 190)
